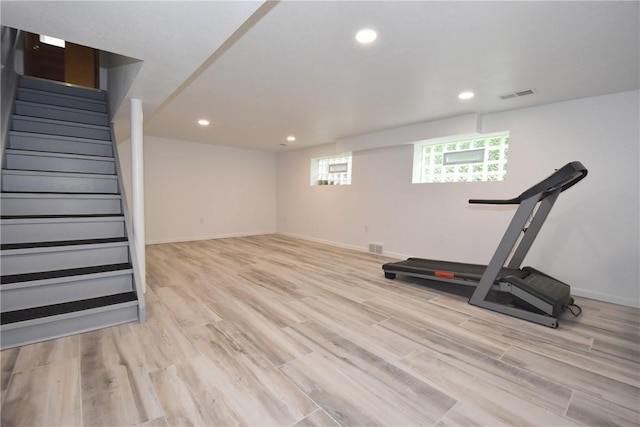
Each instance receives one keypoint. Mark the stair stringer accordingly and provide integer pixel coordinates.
(137, 278)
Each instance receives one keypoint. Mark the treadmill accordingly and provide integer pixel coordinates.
(502, 285)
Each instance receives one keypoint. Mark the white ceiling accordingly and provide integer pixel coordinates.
(260, 72)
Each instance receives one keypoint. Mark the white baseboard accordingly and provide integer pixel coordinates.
(208, 237)
(322, 241)
(342, 245)
(629, 302)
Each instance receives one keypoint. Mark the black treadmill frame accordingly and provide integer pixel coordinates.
(534, 206)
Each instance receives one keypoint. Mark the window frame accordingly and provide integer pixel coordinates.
(320, 172)
(490, 142)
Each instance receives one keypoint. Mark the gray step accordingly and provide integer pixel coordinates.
(61, 100)
(58, 182)
(33, 260)
(75, 322)
(58, 162)
(61, 88)
(24, 204)
(59, 144)
(37, 293)
(58, 127)
(46, 229)
(45, 111)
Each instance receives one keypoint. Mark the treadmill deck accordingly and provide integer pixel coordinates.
(446, 269)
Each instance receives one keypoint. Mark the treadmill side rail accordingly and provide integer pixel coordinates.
(541, 319)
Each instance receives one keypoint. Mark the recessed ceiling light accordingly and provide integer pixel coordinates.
(466, 95)
(291, 138)
(203, 122)
(366, 35)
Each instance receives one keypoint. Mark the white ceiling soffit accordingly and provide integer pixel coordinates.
(294, 68)
(172, 38)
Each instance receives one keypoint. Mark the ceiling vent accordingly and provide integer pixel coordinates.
(517, 94)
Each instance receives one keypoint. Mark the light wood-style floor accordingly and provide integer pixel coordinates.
(270, 330)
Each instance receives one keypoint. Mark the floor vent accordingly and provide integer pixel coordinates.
(375, 248)
(517, 94)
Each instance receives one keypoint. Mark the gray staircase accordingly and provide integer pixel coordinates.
(65, 253)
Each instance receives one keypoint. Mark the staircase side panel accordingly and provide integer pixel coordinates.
(137, 278)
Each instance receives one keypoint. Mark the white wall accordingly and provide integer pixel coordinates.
(590, 240)
(196, 191)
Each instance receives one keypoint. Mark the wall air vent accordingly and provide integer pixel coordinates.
(375, 248)
(517, 94)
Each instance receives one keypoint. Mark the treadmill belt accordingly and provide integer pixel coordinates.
(447, 269)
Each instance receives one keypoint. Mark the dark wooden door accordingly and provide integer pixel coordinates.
(73, 64)
(43, 60)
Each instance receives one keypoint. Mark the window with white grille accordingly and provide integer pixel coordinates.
(333, 170)
(462, 160)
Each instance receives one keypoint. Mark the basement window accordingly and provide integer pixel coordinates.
(461, 159)
(333, 170)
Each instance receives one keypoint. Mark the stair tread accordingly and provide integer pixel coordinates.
(42, 153)
(60, 137)
(49, 195)
(63, 172)
(48, 173)
(43, 275)
(66, 95)
(60, 88)
(31, 245)
(56, 121)
(53, 99)
(59, 107)
(61, 193)
(66, 307)
(61, 216)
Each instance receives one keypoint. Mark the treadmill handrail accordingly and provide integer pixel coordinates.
(515, 201)
(561, 179)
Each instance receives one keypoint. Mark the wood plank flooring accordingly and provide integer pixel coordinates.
(276, 331)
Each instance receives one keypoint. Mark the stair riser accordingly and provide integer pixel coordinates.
(58, 145)
(24, 124)
(61, 101)
(27, 232)
(57, 293)
(58, 184)
(58, 206)
(14, 335)
(61, 88)
(46, 112)
(69, 257)
(59, 164)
